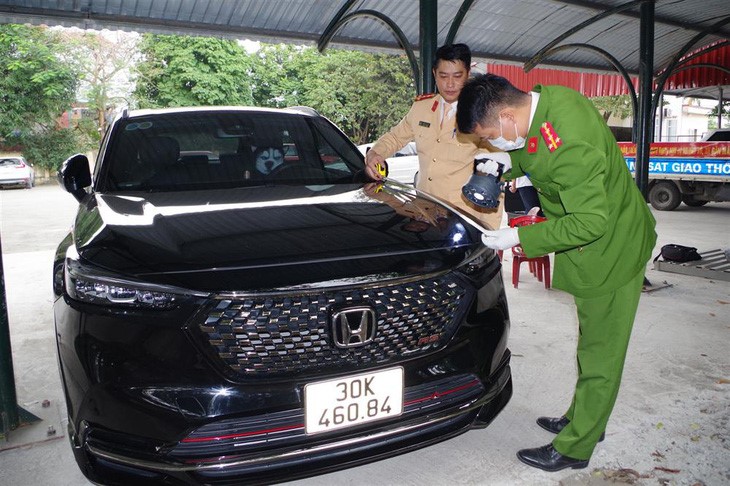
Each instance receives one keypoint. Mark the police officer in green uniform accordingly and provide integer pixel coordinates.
(598, 224)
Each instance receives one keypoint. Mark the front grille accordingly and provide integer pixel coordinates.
(278, 334)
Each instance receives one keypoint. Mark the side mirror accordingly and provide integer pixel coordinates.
(75, 175)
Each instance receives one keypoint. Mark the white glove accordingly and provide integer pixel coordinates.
(498, 157)
(488, 167)
(501, 239)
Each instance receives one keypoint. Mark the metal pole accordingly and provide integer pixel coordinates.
(719, 108)
(9, 418)
(659, 134)
(428, 33)
(646, 73)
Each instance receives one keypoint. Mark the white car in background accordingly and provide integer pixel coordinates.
(16, 171)
(403, 166)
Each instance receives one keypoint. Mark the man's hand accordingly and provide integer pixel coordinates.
(489, 162)
(372, 160)
(501, 239)
(488, 166)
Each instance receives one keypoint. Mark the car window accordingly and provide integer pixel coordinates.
(10, 163)
(204, 150)
(719, 136)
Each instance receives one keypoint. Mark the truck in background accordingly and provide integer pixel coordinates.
(694, 173)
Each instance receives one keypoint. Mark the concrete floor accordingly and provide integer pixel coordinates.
(671, 424)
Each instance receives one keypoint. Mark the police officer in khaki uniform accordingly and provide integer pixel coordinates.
(446, 158)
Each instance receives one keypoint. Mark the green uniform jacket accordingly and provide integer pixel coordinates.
(599, 225)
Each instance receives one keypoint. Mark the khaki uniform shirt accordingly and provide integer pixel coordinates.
(446, 158)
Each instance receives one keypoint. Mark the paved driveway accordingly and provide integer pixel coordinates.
(671, 424)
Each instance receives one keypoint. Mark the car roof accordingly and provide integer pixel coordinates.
(216, 109)
(718, 135)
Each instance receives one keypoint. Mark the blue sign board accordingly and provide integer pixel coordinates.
(684, 166)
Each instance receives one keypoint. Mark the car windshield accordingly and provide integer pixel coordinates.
(224, 149)
(10, 163)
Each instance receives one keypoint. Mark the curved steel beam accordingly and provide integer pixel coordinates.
(537, 58)
(458, 19)
(702, 65)
(397, 32)
(667, 71)
(705, 50)
(614, 62)
(331, 27)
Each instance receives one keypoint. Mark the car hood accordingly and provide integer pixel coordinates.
(270, 237)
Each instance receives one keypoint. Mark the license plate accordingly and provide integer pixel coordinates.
(344, 402)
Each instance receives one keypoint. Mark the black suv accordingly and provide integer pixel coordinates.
(236, 302)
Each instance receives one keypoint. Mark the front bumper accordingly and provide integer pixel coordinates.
(449, 407)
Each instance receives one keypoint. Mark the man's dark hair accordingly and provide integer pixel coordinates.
(453, 52)
(482, 98)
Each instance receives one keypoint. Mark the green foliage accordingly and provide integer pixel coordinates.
(36, 85)
(712, 116)
(103, 62)
(276, 81)
(618, 106)
(192, 71)
(47, 148)
(364, 94)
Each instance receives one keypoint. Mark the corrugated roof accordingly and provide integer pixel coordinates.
(495, 29)
(713, 70)
(498, 31)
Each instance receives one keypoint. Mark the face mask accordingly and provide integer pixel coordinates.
(503, 144)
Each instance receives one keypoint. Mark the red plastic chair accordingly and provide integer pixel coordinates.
(539, 266)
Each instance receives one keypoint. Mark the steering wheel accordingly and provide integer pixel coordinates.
(296, 172)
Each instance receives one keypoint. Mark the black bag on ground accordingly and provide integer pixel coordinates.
(678, 254)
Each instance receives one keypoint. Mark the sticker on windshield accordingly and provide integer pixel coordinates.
(138, 126)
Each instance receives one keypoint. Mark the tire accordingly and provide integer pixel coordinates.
(664, 196)
(692, 201)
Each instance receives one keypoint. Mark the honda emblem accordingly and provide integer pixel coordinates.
(353, 327)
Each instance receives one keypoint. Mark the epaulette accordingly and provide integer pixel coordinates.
(424, 96)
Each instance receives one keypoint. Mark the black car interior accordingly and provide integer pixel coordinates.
(202, 150)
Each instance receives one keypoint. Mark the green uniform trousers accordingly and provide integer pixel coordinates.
(605, 324)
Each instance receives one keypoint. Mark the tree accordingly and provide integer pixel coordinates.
(103, 62)
(49, 146)
(618, 106)
(364, 94)
(276, 81)
(192, 71)
(725, 107)
(35, 84)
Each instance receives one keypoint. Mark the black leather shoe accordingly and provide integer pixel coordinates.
(556, 424)
(548, 459)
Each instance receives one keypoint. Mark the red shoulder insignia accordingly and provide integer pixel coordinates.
(552, 140)
(424, 96)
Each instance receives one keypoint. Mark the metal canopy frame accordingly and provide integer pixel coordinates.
(644, 103)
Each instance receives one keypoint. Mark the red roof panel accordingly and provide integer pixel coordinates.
(590, 84)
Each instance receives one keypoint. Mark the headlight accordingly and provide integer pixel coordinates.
(482, 264)
(95, 286)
